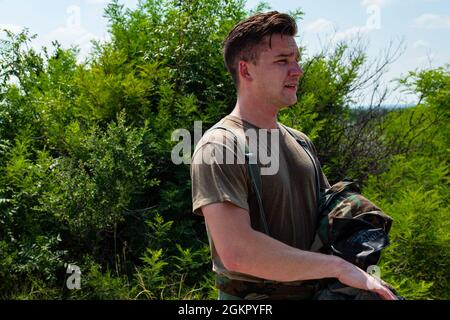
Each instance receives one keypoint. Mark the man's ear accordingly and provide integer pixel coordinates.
(243, 70)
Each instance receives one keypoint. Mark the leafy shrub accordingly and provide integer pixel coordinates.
(414, 192)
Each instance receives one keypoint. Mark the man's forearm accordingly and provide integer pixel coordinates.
(262, 256)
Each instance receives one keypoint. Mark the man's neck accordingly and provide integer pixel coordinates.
(258, 114)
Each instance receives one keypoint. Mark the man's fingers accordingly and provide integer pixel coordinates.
(382, 288)
(387, 294)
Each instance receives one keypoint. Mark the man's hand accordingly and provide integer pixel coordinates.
(354, 277)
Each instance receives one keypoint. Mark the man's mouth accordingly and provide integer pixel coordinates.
(291, 86)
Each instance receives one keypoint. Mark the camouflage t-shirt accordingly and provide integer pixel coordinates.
(288, 195)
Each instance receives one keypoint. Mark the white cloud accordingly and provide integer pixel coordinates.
(73, 35)
(70, 37)
(421, 44)
(426, 61)
(319, 25)
(351, 33)
(431, 60)
(378, 3)
(432, 21)
(10, 27)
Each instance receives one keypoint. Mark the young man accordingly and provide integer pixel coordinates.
(263, 59)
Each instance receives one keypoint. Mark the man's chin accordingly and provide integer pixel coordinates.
(289, 104)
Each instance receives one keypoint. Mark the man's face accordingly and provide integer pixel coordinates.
(277, 72)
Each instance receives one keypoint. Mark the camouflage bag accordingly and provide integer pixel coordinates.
(351, 226)
(355, 229)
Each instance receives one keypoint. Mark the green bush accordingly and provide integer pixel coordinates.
(414, 193)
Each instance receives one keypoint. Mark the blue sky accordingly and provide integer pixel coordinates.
(422, 25)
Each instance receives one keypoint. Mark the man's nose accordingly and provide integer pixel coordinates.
(296, 70)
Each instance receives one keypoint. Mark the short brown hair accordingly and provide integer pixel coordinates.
(243, 40)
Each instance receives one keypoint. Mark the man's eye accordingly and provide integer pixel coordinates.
(282, 61)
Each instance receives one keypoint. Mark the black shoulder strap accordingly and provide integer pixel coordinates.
(253, 171)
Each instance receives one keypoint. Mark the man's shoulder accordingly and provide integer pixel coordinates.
(297, 133)
(222, 132)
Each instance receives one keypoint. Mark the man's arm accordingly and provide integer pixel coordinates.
(245, 250)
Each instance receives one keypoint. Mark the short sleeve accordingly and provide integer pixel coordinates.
(214, 177)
